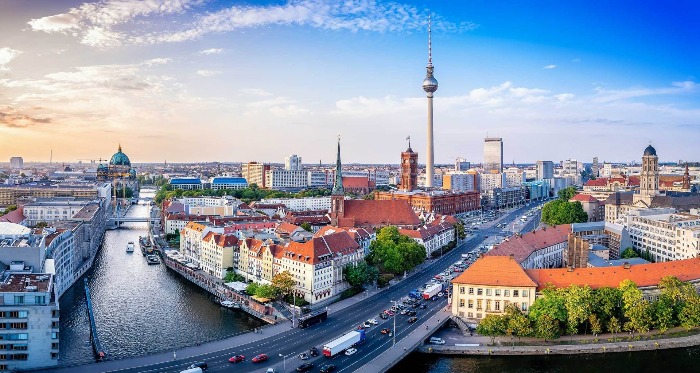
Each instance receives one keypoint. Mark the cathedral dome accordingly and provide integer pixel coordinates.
(650, 151)
(120, 159)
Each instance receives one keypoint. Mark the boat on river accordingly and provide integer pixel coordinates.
(130, 247)
(146, 245)
(229, 304)
(152, 259)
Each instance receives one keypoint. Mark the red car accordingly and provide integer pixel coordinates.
(260, 358)
(236, 359)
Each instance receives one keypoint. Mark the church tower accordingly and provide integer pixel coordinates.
(338, 193)
(649, 178)
(409, 169)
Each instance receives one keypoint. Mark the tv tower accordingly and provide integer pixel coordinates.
(430, 85)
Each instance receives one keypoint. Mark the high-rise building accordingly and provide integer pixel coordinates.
(493, 154)
(293, 163)
(409, 169)
(545, 170)
(430, 85)
(16, 163)
(462, 164)
(595, 167)
(255, 173)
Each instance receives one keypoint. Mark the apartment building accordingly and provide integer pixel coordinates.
(219, 253)
(666, 237)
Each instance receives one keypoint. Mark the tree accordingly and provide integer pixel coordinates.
(41, 224)
(283, 283)
(395, 253)
(232, 276)
(578, 302)
(492, 326)
(614, 326)
(563, 212)
(606, 303)
(459, 228)
(547, 327)
(629, 253)
(360, 274)
(662, 311)
(518, 323)
(552, 304)
(566, 193)
(306, 226)
(596, 326)
(636, 308)
(252, 288)
(266, 291)
(689, 315)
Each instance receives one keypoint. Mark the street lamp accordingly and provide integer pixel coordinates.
(393, 335)
(284, 362)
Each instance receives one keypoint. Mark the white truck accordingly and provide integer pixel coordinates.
(432, 291)
(343, 342)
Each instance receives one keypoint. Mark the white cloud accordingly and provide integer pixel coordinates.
(95, 24)
(607, 95)
(550, 67)
(7, 55)
(576, 60)
(208, 72)
(211, 51)
(157, 61)
(255, 92)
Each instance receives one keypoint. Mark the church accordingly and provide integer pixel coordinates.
(119, 168)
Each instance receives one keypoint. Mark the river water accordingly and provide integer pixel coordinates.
(140, 309)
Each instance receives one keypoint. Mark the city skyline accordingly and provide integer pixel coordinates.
(195, 80)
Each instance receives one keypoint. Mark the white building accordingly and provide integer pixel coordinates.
(191, 238)
(431, 236)
(16, 163)
(284, 179)
(542, 248)
(545, 170)
(490, 181)
(218, 254)
(571, 169)
(514, 177)
(301, 204)
(665, 237)
(293, 163)
(53, 209)
(607, 170)
(319, 179)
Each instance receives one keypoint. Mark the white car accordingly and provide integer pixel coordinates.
(367, 324)
(373, 321)
(350, 351)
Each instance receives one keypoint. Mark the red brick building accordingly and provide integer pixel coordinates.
(441, 202)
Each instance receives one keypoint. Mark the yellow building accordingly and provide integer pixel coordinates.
(489, 285)
(217, 253)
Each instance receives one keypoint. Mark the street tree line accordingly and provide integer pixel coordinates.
(247, 195)
(582, 310)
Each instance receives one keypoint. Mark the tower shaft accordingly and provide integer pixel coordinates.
(430, 154)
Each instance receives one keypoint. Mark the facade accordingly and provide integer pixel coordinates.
(649, 177)
(666, 237)
(595, 167)
(218, 254)
(286, 179)
(16, 163)
(515, 177)
(409, 170)
(54, 209)
(614, 237)
(591, 206)
(489, 285)
(185, 183)
(545, 170)
(493, 155)
(504, 197)
(21, 244)
(461, 181)
(255, 173)
(431, 236)
(30, 320)
(441, 202)
(191, 238)
(571, 169)
(536, 190)
(293, 163)
(462, 164)
(543, 248)
(118, 168)
(301, 204)
(491, 180)
(228, 183)
(10, 194)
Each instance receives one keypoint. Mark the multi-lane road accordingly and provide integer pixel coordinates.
(283, 348)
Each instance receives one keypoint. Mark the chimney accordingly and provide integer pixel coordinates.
(626, 265)
(570, 269)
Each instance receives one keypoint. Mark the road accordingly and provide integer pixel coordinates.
(291, 342)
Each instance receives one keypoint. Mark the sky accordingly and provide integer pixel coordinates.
(228, 81)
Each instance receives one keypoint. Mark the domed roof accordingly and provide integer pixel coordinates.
(120, 159)
(650, 150)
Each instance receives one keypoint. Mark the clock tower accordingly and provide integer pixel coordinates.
(409, 169)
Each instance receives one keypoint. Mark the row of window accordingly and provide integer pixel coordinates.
(496, 292)
(16, 347)
(14, 357)
(13, 325)
(14, 314)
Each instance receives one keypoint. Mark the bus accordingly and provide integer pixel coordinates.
(312, 318)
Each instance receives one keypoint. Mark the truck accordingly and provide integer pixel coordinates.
(414, 294)
(432, 290)
(343, 342)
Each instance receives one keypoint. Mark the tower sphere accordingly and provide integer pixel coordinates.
(430, 84)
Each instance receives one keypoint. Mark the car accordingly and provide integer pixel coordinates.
(411, 313)
(328, 368)
(350, 351)
(305, 367)
(412, 319)
(236, 359)
(383, 315)
(260, 358)
(403, 312)
(373, 321)
(386, 331)
(389, 312)
(361, 327)
(270, 370)
(437, 341)
(313, 351)
(303, 356)
(201, 364)
(367, 324)
(423, 306)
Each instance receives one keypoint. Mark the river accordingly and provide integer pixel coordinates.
(140, 309)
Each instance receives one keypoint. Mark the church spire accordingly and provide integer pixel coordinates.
(338, 186)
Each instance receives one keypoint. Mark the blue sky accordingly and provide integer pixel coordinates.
(198, 80)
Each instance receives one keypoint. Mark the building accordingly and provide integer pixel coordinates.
(514, 176)
(649, 178)
(493, 155)
(430, 85)
(504, 197)
(16, 163)
(301, 204)
(595, 168)
(286, 179)
(536, 190)
(437, 201)
(293, 163)
(228, 183)
(462, 164)
(491, 180)
(11, 194)
(461, 181)
(614, 237)
(358, 186)
(545, 170)
(409, 170)
(191, 238)
(30, 332)
(542, 248)
(432, 236)
(571, 169)
(665, 237)
(489, 285)
(118, 168)
(219, 253)
(186, 183)
(255, 173)
(593, 208)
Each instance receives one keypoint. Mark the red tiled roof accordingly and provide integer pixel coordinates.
(221, 240)
(597, 182)
(286, 228)
(16, 216)
(583, 198)
(495, 270)
(641, 274)
(378, 213)
(356, 233)
(522, 246)
(356, 182)
(321, 248)
(633, 181)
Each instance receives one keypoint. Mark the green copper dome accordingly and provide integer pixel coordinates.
(120, 159)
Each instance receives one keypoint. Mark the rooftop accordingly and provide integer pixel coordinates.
(495, 271)
(31, 282)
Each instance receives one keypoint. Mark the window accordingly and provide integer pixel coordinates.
(524, 306)
(20, 347)
(479, 291)
(478, 304)
(19, 299)
(498, 292)
(525, 294)
(461, 302)
(471, 304)
(461, 290)
(497, 305)
(488, 291)
(54, 335)
(54, 346)
(471, 291)
(470, 315)
(516, 293)
(506, 293)
(488, 305)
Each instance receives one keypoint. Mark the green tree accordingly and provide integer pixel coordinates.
(578, 301)
(360, 274)
(547, 327)
(41, 224)
(394, 253)
(459, 228)
(689, 315)
(635, 308)
(662, 311)
(566, 193)
(306, 226)
(629, 253)
(606, 303)
(232, 276)
(252, 288)
(614, 326)
(518, 323)
(492, 326)
(563, 212)
(596, 326)
(266, 291)
(552, 304)
(283, 283)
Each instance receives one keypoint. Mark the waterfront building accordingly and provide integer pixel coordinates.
(665, 237)
(362, 236)
(255, 173)
(30, 320)
(545, 170)
(16, 163)
(228, 183)
(542, 248)
(301, 204)
(53, 209)
(12, 194)
(219, 253)
(489, 285)
(19, 243)
(185, 183)
(257, 259)
(191, 238)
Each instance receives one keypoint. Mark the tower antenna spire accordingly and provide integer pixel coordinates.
(430, 43)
